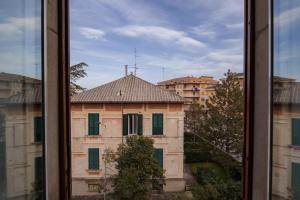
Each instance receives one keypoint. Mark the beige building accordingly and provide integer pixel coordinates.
(21, 133)
(193, 89)
(103, 117)
(286, 141)
(12, 84)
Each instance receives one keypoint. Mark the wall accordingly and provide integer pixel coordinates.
(111, 136)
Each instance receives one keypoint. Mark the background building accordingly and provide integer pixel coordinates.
(286, 141)
(104, 116)
(193, 89)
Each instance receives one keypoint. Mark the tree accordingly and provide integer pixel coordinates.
(138, 170)
(77, 71)
(220, 124)
(223, 121)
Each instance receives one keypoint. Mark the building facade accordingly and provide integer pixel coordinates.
(21, 138)
(103, 117)
(193, 89)
(286, 142)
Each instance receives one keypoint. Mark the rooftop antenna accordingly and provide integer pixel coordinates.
(126, 70)
(163, 73)
(135, 67)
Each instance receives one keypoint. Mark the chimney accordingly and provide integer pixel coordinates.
(126, 70)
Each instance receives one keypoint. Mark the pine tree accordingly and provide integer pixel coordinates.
(223, 123)
(77, 71)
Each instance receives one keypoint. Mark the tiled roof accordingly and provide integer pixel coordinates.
(189, 79)
(17, 78)
(288, 95)
(130, 89)
(29, 96)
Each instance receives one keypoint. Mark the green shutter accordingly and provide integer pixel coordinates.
(296, 180)
(157, 124)
(159, 156)
(93, 119)
(93, 159)
(140, 124)
(38, 168)
(125, 124)
(38, 129)
(296, 132)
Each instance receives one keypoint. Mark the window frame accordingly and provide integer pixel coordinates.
(157, 134)
(97, 168)
(135, 124)
(89, 130)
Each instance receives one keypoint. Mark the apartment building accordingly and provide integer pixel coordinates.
(286, 142)
(21, 137)
(193, 89)
(105, 116)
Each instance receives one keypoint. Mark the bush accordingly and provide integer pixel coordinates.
(212, 186)
(205, 192)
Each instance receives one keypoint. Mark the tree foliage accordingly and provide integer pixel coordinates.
(77, 71)
(220, 124)
(138, 170)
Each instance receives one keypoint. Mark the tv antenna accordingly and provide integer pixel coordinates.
(135, 66)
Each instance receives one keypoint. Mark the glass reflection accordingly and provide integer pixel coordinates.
(286, 101)
(21, 119)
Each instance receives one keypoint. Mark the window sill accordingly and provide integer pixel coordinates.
(93, 171)
(294, 147)
(159, 136)
(37, 143)
(93, 136)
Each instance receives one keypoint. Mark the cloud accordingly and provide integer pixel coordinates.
(14, 26)
(160, 34)
(92, 33)
(288, 17)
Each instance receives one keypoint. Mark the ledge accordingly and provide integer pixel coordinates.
(91, 171)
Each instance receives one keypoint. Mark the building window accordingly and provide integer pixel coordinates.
(295, 181)
(159, 156)
(38, 168)
(132, 124)
(93, 128)
(93, 159)
(296, 132)
(157, 124)
(38, 129)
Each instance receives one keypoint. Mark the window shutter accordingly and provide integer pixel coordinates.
(157, 124)
(93, 159)
(140, 124)
(38, 168)
(38, 129)
(159, 156)
(296, 180)
(161, 124)
(125, 124)
(93, 122)
(296, 132)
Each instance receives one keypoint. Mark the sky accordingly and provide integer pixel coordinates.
(181, 38)
(286, 38)
(20, 37)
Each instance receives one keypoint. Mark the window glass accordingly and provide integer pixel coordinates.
(21, 117)
(286, 100)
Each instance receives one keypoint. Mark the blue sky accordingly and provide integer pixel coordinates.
(190, 37)
(286, 38)
(20, 37)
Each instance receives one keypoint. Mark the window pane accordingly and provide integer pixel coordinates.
(21, 118)
(286, 100)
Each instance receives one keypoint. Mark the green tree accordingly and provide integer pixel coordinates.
(223, 121)
(138, 171)
(77, 71)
